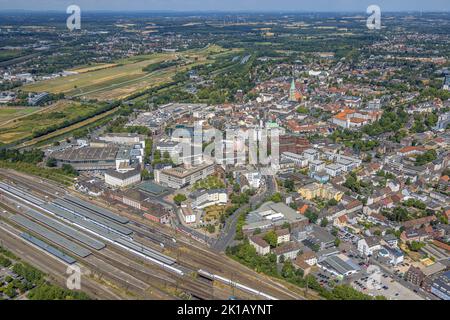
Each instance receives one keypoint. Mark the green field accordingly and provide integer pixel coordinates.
(9, 54)
(125, 78)
(24, 127)
(10, 113)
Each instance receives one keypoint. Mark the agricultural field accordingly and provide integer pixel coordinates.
(125, 77)
(24, 127)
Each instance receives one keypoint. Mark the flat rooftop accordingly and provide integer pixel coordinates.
(181, 172)
(152, 188)
(87, 153)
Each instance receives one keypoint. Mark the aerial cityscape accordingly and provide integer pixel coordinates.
(179, 152)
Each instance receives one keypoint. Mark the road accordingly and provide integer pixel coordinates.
(228, 233)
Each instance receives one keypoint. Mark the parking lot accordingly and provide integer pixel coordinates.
(326, 278)
(348, 237)
(379, 283)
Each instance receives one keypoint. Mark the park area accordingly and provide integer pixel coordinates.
(213, 213)
(124, 77)
(211, 182)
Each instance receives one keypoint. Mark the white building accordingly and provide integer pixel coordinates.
(254, 178)
(334, 170)
(316, 165)
(311, 154)
(261, 246)
(129, 139)
(205, 198)
(298, 159)
(171, 147)
(367, 246)
(122, 179)
(181, 177)
(187, 214)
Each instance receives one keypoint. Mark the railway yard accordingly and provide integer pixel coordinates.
(121, 255)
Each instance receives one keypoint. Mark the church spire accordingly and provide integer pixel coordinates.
(293, 91)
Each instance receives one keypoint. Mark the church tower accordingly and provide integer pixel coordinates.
(293, 92)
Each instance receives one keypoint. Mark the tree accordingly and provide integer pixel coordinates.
(426, 157)
(179, 198)
(68, 169)
(332, 202)
(286, 225)
(145, 175)
(311, 215)
(271, 238)
(289, 185)
(337, 242)
(324, 222)
(416, 245)
(210, 228)
(157, 155)
(51, 162)
(257, 231)
(276, 197)
(352, 183)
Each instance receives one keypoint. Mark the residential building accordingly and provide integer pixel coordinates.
(317, 190)
(205, 198)
(414, 275)
(334, 170)
(311, 154)
(316, 165)
(299, 160)
(261, 246)
(367, 246)
(287, 250)
(283, 235)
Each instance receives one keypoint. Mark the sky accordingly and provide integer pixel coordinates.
(228, 5)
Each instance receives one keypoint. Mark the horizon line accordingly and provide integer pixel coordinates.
(216, 11)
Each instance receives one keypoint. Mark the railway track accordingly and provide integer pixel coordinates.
(125, 263)
(198, 255)
(38, 185)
